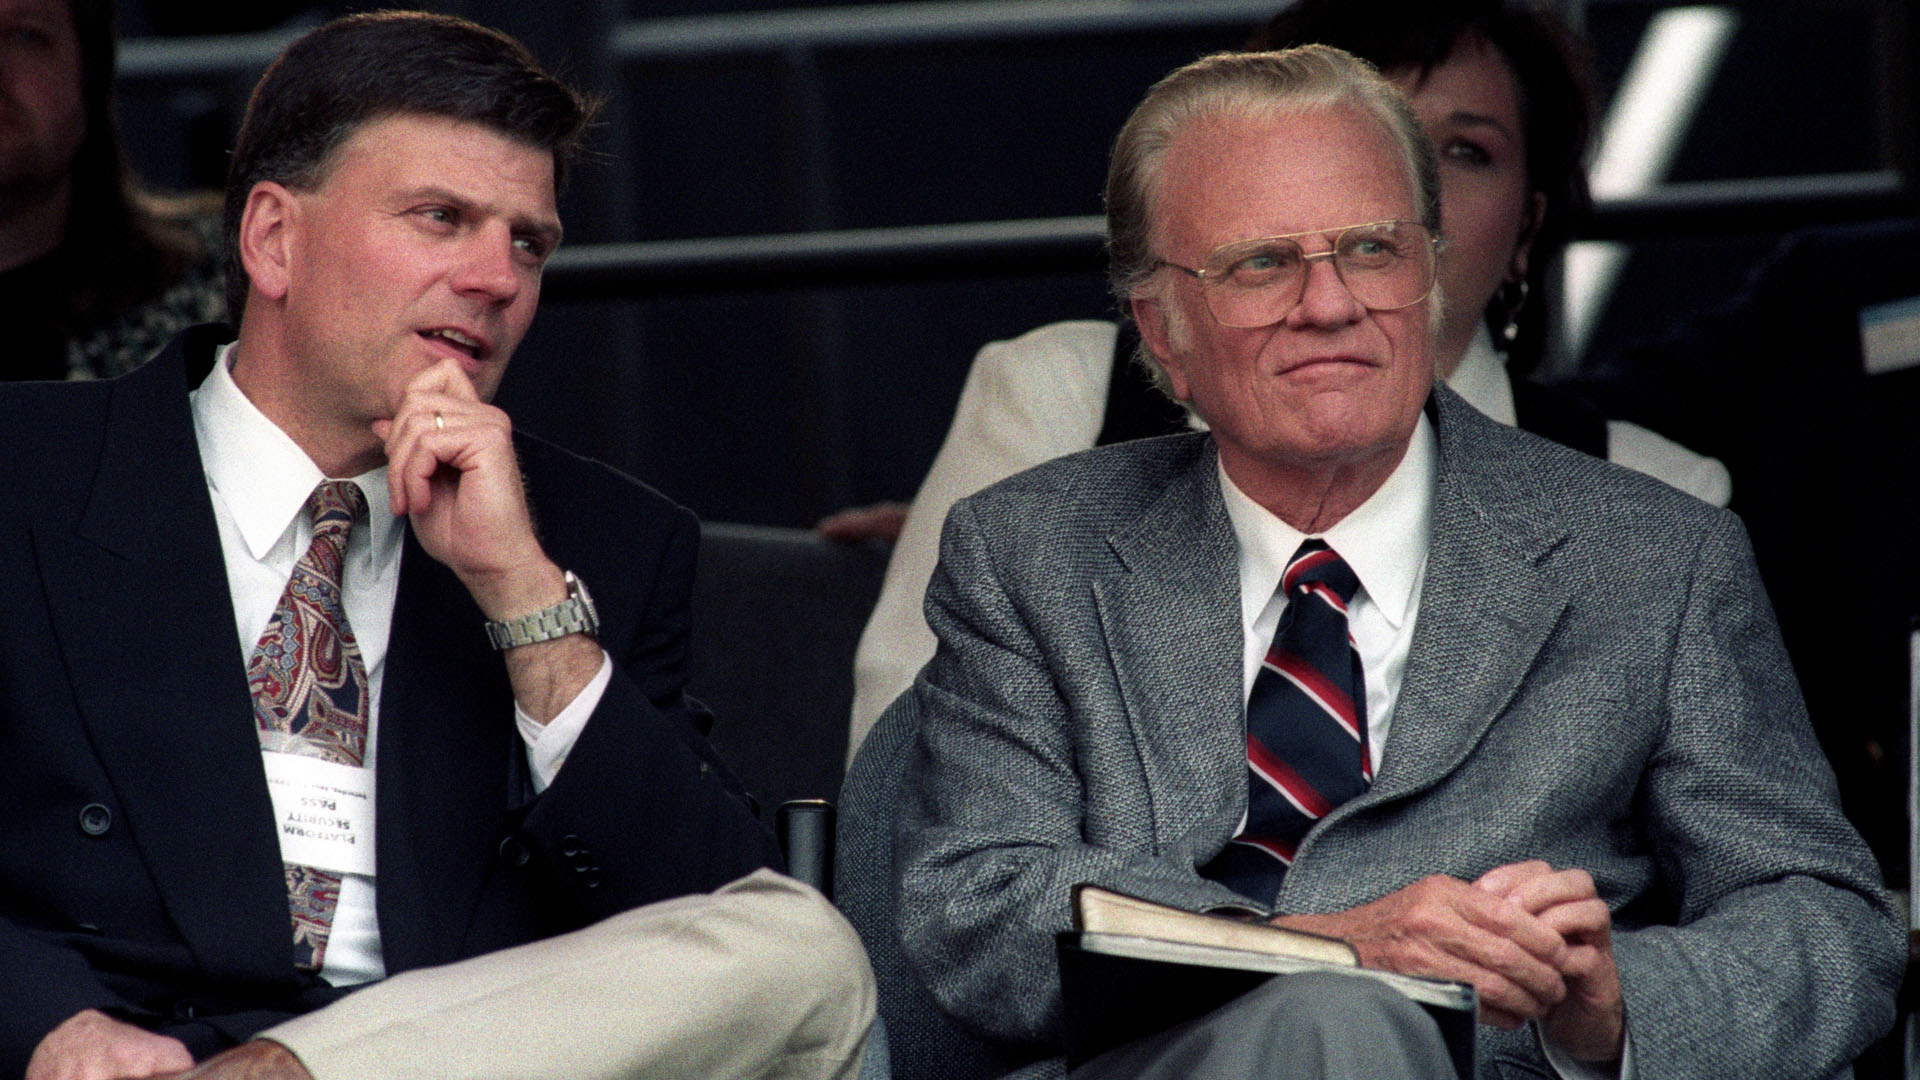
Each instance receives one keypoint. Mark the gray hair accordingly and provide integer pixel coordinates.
(1292, 81)
(1289, 82)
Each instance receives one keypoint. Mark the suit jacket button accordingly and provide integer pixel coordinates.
(514, 853)
(570, 846)
(95, 819)
(590, 877)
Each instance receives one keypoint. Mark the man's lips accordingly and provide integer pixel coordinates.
(464, 343)
(1326, 363)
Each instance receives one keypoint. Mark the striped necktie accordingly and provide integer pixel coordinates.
(1306, 725)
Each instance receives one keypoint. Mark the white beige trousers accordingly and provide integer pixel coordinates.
(762, 979)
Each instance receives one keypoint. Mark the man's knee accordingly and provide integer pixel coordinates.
(804, 964)
(1324, 1026)
(1344, 1022)
(807, 947)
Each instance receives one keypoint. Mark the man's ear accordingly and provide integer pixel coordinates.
(1533, 215)
(1151, 318)
(267, 228)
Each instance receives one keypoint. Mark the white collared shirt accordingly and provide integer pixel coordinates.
(260, 480)
(1384, 540)
(1481, 377)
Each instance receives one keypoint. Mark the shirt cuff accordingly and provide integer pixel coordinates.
(1567, 1068)
(549, 745)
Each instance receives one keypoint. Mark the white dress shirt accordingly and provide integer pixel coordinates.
(260, 481)
(1384, 540)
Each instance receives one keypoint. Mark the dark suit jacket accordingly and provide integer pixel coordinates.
(139, 870)
(1826, 474)
(1594, 680)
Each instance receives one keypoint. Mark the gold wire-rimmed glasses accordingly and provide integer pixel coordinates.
(1386, 265)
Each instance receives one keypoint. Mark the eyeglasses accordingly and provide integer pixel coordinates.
(1386, 265)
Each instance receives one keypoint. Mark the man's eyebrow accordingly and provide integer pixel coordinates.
(548, 230)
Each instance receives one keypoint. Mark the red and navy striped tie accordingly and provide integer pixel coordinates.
(1306, 725)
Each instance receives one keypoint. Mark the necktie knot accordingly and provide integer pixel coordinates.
(335, 506)
(1317, 564)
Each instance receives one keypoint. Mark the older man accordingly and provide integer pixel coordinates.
(303, 686)
(1361, 661)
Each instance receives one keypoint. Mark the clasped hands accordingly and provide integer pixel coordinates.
(1535, 942)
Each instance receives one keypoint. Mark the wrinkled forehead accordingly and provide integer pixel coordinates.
(1271, 170)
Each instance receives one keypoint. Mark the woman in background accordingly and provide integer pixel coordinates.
(96, 274)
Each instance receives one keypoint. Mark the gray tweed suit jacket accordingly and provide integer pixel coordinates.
(1595, 680)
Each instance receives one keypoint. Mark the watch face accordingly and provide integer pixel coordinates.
(577, 590)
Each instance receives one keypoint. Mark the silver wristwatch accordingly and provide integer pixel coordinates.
(574, 615)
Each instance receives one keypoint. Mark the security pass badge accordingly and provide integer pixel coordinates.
(1890, 335)
(323, 812)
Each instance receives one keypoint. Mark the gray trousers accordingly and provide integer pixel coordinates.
(761, 980)
(1315, 1026)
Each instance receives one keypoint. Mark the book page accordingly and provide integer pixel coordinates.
(1103, 911)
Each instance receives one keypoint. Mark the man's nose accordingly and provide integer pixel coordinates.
(1325, 299)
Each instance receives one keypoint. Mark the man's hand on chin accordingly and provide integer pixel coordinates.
(91, 1045)
(452, 470)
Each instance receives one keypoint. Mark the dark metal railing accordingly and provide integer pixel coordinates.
(694, 36)
(827, 259)
(910, 24)
(997, 248)
(1069, 244)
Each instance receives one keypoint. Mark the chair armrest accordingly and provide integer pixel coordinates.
(804, 828)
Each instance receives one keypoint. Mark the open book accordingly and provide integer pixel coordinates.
(1132, 967)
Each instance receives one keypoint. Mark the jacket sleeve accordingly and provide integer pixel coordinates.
(1783, 952)
(643, 809)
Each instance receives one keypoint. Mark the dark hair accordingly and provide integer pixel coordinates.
(1554, 73)
(121, 246)
(334, 79)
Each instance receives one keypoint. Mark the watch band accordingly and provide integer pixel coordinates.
(574, 615)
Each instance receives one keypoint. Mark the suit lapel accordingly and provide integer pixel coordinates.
(1171, 619)
(447, 765)
(145, 624)
(1487, 606)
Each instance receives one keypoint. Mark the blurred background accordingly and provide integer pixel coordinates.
(805, 217)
